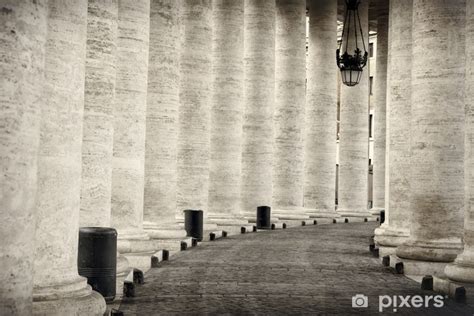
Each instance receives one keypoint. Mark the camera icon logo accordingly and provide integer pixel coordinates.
(360, 301)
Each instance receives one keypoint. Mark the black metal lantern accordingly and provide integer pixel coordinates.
(351, 65)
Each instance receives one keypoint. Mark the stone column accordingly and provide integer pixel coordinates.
(354, 135)
(437, 170)
(194, 108)
(98, 128)
(97, 140)
(321, 110)
(57, 285)
(462, 269)
(162, 122)
(226, 112)
(380, 114)
(288, 118)
(259, 88)
(129, 126)
(396, 228)
(23, 26)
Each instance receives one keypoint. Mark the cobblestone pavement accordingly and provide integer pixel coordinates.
(312, 270)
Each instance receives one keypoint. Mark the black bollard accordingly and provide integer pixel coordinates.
(382, 217)
(212, 236)
(193, 223)
(166, 255)
(460, 294)
(138, 276)
(97, 259)
(263, 217)
(399, 269)
(427, 283)
(128, 289)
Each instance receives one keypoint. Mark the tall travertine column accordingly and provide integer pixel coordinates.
(194, 108)
(259, 98)
(58, 289)
(354, 135)
(97, 140)
(98, 127)
(162, 122)
(321, 110)
(226, 111)
(290, 77)
(396, 228)
(129, 123)
(437, 133)
(462, 270)
(23, 27)
(380, 114)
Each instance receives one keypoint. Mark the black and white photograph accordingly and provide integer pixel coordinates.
(236, 157)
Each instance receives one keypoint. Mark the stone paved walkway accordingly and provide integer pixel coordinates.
(312, 270)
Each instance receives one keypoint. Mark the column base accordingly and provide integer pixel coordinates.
(252, 217)
(354, 213)
(164, 231)
(376, 210)
(281, 216)
(461, 270)
(385, 236)
(420, 268)
(232, 224)
(290, 213)
(387, 251)
(75, 298)
(322, 213)
(227, 220)
(138, 248)
(432, 251)
(123, 269)
(209, 226)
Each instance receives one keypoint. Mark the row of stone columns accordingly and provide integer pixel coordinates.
(380, 115)
(462, 269)
(354, 135)
(162, 117)
(226, 113)
(320, 116)
(194, 107)
(396, 228)
(59, 166)
(288, 114)
(429, 139)
(22, 75)
(124, 113)
(259, 98)
(437, 133)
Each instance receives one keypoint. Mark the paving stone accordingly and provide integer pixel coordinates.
(311, 270)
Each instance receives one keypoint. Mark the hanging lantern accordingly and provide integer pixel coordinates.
(351, 65)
